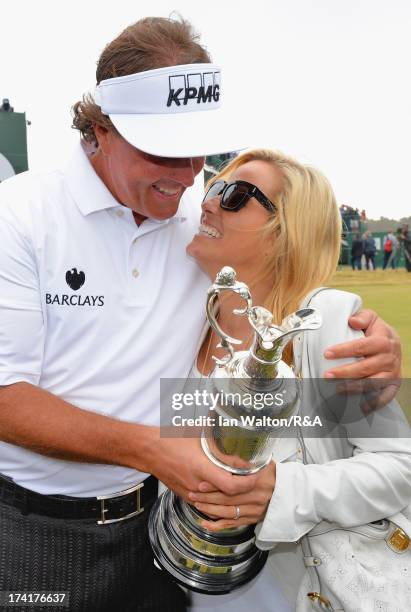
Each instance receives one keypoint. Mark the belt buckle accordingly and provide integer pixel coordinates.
(138, 510)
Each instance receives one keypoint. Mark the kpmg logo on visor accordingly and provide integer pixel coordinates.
(201, 87)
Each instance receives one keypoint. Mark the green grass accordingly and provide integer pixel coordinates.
(389, 293)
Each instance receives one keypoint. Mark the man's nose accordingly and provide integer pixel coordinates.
(185, 169)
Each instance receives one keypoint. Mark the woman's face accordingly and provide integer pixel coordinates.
(235, 238)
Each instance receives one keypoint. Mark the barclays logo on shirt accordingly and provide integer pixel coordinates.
(75, 280)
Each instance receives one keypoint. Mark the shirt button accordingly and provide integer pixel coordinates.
(120, 213)
(135, 272)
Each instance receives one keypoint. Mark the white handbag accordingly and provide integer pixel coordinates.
(357, 569)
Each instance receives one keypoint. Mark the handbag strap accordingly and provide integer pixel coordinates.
(318, 601)
(298, 352)
(299, 340)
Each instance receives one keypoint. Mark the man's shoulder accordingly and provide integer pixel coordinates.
(28, 190)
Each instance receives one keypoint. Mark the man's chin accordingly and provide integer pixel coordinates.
(157, 215)
(167, 213)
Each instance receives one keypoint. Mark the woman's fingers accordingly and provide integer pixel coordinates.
(259, 495)
(226, 524)
(229, 512)
(248, 515)
(256, 498)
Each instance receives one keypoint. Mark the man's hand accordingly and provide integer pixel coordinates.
(381, 352)
(252, 504)
(380, 348)
(181, 464)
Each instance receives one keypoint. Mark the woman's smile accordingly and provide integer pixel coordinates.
(209, 231)
(237, 237)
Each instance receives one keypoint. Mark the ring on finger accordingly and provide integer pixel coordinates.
(236, 512)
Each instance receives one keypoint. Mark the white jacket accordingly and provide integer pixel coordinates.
(351, 480)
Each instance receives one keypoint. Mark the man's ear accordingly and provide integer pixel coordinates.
(103, 138)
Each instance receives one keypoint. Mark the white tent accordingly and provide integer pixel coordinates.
(6, 169)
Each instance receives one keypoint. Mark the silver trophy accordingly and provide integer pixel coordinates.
(240, 439)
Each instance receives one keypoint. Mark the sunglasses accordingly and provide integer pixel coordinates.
(236, 194)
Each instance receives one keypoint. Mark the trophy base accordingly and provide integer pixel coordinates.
(202, 561)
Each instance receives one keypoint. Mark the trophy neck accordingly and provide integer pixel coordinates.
(262, 359)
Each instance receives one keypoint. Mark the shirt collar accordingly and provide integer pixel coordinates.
(91, 194)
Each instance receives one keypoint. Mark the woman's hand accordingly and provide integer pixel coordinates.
(380, 348)
(223, 508)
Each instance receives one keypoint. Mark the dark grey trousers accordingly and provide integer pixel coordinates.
(104, 568)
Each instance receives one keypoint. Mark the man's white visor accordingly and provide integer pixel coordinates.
(172, 112)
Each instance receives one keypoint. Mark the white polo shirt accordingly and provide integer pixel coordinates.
(93, 309)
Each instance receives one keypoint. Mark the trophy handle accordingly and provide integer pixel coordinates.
(226, 281)
(305, 319)
(302, 320)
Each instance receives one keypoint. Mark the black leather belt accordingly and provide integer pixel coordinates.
(103, 509)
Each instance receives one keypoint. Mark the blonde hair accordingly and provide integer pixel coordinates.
(306, 230)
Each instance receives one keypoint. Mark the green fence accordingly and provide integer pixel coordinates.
(379, 237)
(13, 142)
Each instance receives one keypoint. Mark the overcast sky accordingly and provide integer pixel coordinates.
(327, 80)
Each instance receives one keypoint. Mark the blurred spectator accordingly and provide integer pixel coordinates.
(404, 237)
(357, 250)
(369, 250)
(5, 107)
(349, 211)
(390, 249)
(363, 215)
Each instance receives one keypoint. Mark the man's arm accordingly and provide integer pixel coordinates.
(37, 420)
(40, 421)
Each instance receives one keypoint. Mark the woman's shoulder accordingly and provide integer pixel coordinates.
(335, 307)
(328, 298)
